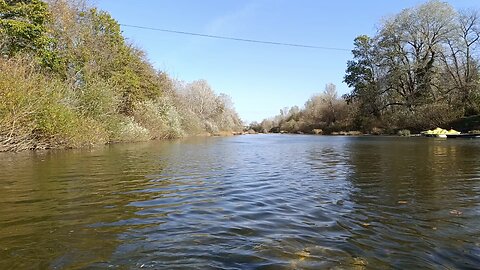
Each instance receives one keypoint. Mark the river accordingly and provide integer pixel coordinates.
(244, 202)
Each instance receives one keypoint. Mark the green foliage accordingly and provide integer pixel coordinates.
(23, 29)
(96, 99)
(96, 88)
(135, 81)
(105, 27)
(361, 76)
(32, 114)
(420, 70)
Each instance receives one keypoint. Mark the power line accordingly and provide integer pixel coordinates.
(235, 38)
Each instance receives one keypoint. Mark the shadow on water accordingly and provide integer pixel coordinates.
(248, 202)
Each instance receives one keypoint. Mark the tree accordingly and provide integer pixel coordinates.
(419, 69)
(363, 76)
(23, 28)
(91, 47)
(460, 66)
(324, 110)
(410, 45)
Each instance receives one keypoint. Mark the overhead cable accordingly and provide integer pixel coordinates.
(235, 38)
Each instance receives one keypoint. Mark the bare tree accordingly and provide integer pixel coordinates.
(460, 65)
(410, 45)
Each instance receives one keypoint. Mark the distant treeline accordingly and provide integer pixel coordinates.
(419, 71)
(68, 78)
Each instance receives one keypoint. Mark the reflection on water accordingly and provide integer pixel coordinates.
(266, 201)
(421, 195)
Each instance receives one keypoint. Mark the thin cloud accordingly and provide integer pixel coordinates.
(232, 22)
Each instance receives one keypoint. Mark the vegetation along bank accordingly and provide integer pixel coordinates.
(419, 71)
(68, 78)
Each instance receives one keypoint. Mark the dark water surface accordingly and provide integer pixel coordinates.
(247, 202)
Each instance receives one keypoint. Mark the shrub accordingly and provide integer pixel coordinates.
(96, 99)
(404, 132)
(160, 119)
(130, 131)
(33, 114)
(317, 131)
(376, 131)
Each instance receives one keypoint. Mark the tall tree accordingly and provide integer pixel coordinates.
(410, 44)
(23, 28)
(460, 66)
(363, 75)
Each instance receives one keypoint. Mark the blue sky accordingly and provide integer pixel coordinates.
(261, 79)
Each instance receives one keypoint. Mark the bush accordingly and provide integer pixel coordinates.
(404, 132)
(160, 118)
(98, 89)
(317, 131)
(33, 114)
(377, 131)
(96, 99)
(130, 131)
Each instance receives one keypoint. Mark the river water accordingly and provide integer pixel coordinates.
(246, 202)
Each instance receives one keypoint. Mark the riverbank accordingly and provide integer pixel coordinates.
(77, 82)
(466, 124)
(470, 124)
(7, 145)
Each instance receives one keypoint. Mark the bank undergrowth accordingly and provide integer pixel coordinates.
(68, 78)
(420, 70)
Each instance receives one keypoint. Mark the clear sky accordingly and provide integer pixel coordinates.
(261, 79)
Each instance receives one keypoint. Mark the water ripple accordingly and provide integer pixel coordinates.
(250, 202)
